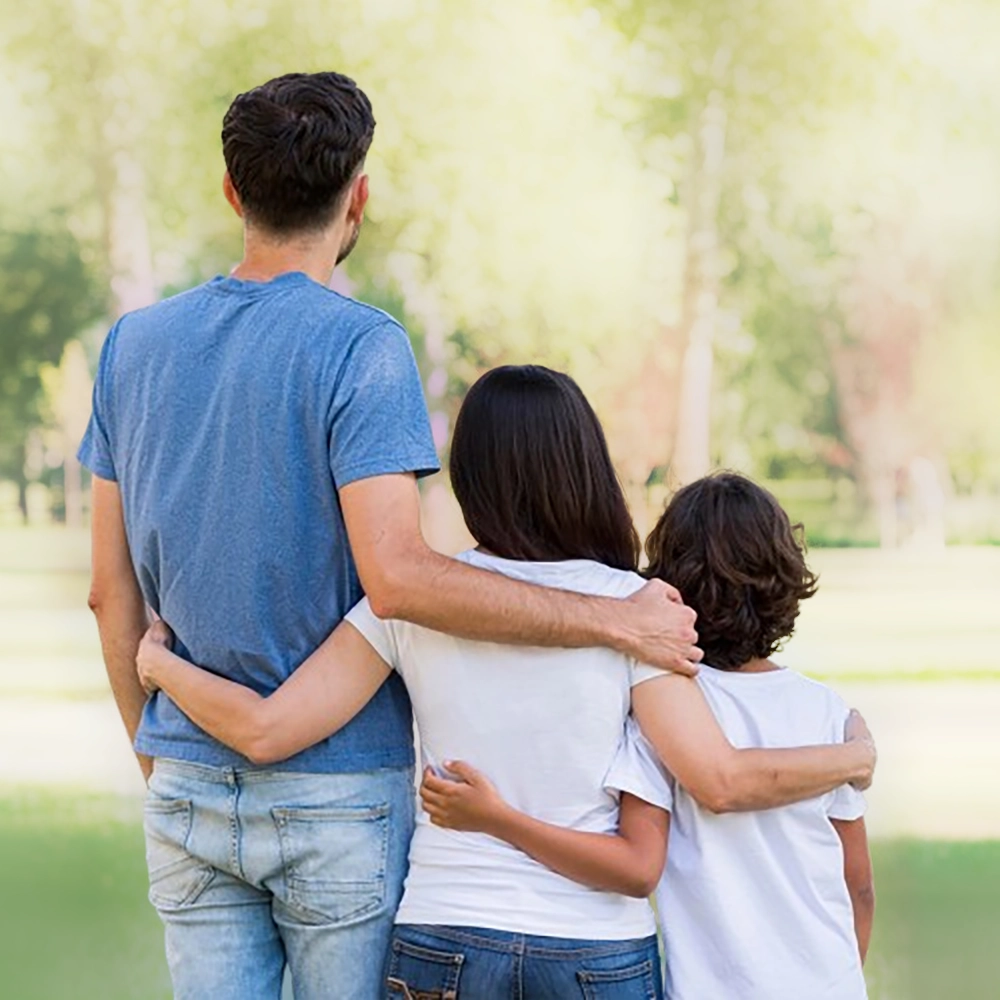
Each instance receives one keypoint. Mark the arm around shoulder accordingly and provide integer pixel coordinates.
(404, 578)
(678, 721)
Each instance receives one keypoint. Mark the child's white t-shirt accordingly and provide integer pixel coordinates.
(544, 725)
(754, 906)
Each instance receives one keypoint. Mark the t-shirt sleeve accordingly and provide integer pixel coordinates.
(378, 417)
(95, 452)
(637, 770)
(846, 802)
(380, 635)
(639, 673)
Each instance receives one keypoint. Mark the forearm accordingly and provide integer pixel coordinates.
(232, 713)
(602, 861)
(863, 902)
(121, 623)
(766, 779)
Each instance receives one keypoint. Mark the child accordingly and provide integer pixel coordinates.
(768, 905)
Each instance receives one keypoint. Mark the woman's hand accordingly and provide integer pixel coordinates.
(468, 802)
(154, 650)
(856, 731)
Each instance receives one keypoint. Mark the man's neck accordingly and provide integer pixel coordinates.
(264, 258)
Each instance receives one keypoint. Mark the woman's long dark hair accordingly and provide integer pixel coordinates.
(531, 471)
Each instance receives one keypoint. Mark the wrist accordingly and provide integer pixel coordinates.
(609, 628)
(501, 821)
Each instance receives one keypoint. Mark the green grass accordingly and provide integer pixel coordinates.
(75, 924)
(938, 914)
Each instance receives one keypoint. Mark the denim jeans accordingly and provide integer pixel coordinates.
(471, 963)
(252, 869)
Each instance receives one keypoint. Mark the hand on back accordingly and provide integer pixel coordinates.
(156, 644)
(466, 801)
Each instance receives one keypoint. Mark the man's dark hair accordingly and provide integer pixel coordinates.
(728, 547)
(292, 147)
(531, 471)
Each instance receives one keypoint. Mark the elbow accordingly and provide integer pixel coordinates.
(644, 886)
(385, 598)
(863, 896)
(259, 744)
(261, 751)
(390, 590)
(641, 882)
(718, 795)
(96, 601)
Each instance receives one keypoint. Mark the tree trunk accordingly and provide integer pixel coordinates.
(691, 455)
(22, 497)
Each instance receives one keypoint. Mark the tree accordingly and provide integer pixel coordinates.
(47, 296)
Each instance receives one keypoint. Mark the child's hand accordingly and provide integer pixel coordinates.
(470, 802)
(154, 648)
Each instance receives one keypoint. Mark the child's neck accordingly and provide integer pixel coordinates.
(758, 667)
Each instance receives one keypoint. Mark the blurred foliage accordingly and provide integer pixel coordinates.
(47, 295)
(759, 232)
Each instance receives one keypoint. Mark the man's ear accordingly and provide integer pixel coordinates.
(229, 190)
(359, 198)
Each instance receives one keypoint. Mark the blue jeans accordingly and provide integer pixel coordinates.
(471, 963)
(252, 869)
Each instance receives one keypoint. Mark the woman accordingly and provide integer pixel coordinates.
(479, 918)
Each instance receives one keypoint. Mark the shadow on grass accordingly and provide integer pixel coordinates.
(75, 924)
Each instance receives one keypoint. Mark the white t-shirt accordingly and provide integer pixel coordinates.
(754, 906)
(544, 725)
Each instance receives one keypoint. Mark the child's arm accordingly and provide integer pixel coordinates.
(629, 863)
(320, 697)
(859, 877)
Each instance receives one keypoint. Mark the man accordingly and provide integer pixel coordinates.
(255, 445)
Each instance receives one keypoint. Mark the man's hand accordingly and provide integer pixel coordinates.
(468, 802)
(659, 629)
(856, 731)
(156, 644)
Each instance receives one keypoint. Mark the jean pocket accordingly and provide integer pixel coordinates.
(636, 982)
(334, 861)
(176, 879)
(418, 973)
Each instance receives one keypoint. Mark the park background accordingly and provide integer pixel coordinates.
(762, 234)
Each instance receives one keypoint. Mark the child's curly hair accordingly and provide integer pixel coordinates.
(729, 548)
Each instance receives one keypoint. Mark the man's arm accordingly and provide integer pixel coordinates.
(675, 717)
(859, 877)
(404, 578)
(117, 603)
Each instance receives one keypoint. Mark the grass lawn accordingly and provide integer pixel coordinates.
(76, 924)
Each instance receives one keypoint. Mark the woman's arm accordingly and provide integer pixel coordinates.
(630, 862)
(320, 697)
(859, 877)
(675, 717)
